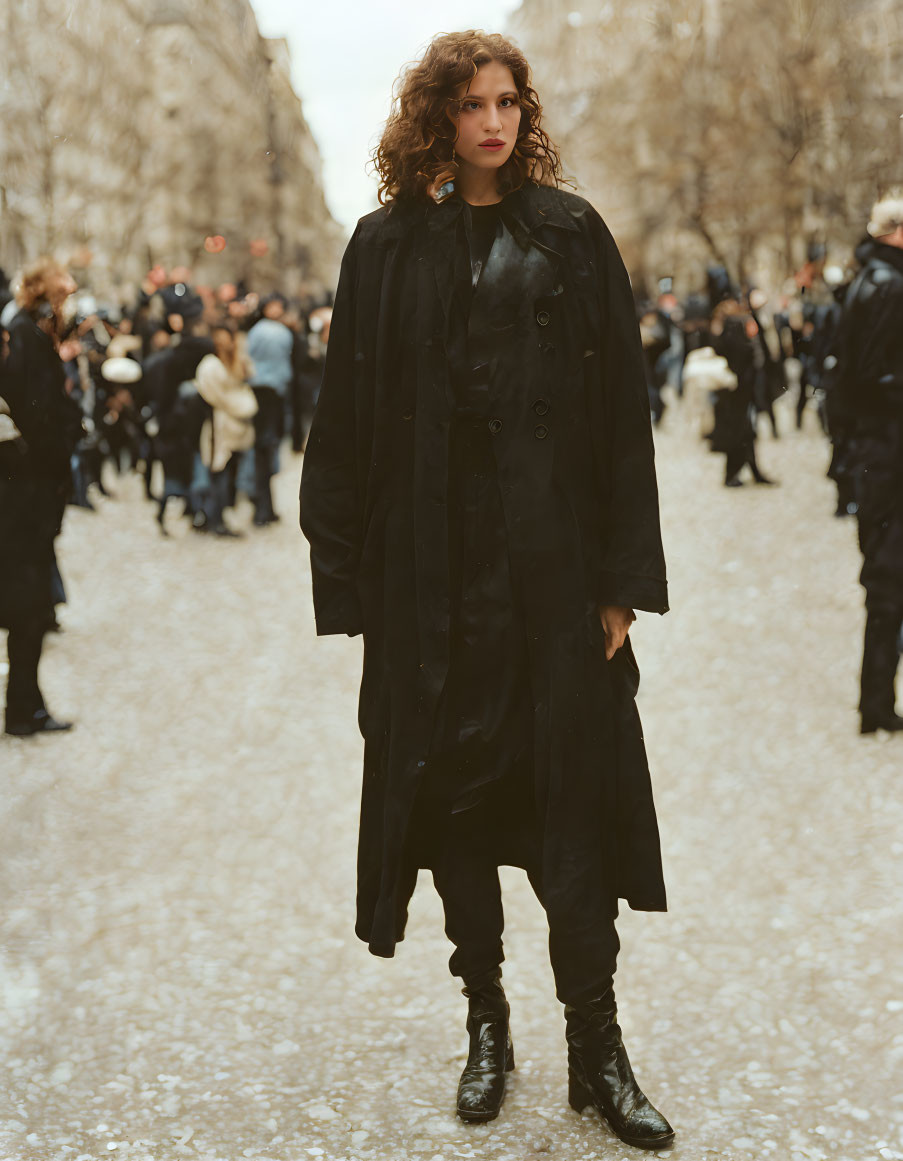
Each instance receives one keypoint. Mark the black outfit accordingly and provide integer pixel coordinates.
(269, 427)
(475, 809)
(477, 481)
(734, 430)
(868, 401)
(181, 412)
(400, 456)
(34, 485)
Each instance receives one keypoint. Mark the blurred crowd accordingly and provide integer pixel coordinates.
(195, 389)
(204, 383)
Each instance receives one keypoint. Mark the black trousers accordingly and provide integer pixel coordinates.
(583, 943)
(23, 696)
(881, 541)
(269, 423)
(880, 656)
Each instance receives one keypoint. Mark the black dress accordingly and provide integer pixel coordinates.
(478, 788)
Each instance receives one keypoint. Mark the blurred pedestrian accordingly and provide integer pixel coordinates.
(222, 380)
(35, 447)
(270, 344)
(180, 414)
(734, 431)
(870, 390)
(480, 497)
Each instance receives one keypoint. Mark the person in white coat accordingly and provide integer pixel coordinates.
(222, 381)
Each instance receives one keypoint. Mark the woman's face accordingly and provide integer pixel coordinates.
(489, 117)
(223, 343)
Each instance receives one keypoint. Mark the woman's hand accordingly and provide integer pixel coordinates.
(616, 620)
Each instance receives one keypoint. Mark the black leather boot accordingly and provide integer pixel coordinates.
(40, 722)
(599, 1074)
(481, 1089)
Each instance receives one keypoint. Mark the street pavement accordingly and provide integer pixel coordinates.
(179, 977)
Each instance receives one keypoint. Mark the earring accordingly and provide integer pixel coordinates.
(445, 190)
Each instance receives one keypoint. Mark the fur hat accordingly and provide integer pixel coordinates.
(887, 214)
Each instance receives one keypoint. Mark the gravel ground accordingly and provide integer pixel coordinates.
(179, 972)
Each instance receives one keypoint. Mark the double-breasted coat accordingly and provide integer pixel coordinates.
(553, 330)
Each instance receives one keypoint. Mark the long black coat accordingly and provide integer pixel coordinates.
(34, 470)
(553, 319)
(870, 403)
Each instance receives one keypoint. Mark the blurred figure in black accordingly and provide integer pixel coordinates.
(734, 431)
(158, 345)
(35, 447)
(656, 337)
(770, 380)
(870, 394)
(180, 414)
(309, 364)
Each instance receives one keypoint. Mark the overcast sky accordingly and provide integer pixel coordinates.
(346, 55)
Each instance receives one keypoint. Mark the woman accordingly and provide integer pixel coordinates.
(222, 380)
(480, 497)
(37, 435)
(734, 431)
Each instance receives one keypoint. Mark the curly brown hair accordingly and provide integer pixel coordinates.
(416, 154)
(32, 288)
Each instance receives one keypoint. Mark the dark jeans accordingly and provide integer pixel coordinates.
(583, 943)
(221, 494)
(269, 423)
(23, 697)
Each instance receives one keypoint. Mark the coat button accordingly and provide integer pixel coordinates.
(495, 426)
(541, 407)
(540, 431)
(543, 318)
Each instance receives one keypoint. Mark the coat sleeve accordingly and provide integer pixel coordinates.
(330, 490)
(633, 562)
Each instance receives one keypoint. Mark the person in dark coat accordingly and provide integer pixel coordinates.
(870, 401)
(734, 431)
(180, 413)
(36, 442)
(480, 498)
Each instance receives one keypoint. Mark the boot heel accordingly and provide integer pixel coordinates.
(578, 1097)
(509, 1062)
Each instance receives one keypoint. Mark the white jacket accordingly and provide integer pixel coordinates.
(234, 405)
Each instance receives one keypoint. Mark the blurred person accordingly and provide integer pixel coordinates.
(222, 379)
(35, 478)
(655, 335)
(270, 344)
(770, 378)
(180, 414)
(479, 493)
(309, 360)
(870, 397)
(734, 431)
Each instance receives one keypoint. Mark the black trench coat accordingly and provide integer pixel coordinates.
(35, 476)
(553, 321)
